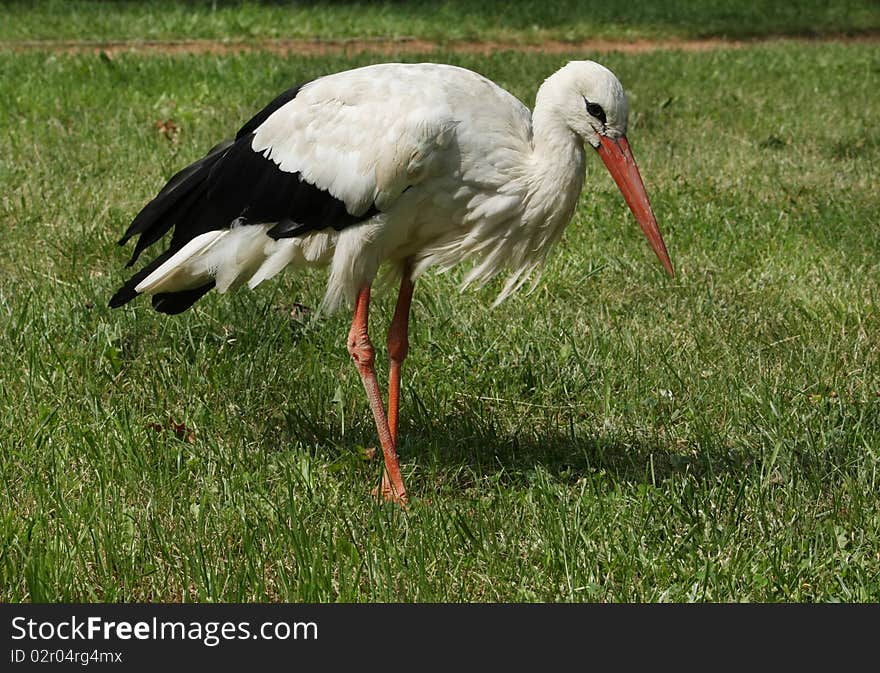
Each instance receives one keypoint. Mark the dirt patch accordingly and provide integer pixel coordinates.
(388, 47)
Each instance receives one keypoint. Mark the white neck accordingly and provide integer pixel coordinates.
(546, 183)
(549, 180)
(556, 166)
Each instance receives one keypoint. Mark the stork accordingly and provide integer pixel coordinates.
(409, 166)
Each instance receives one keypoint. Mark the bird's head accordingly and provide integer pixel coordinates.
(593, 104)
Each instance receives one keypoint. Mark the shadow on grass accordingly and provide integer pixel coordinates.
(467, 452)
(514, 459)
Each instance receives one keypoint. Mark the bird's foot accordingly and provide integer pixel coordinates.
(388, 493)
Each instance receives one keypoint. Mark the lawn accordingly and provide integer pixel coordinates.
(529, 21)
(614, 436)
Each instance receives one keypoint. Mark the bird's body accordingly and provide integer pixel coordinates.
(405, 165)
(443, 179)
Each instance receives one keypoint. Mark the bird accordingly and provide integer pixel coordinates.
(403, 167)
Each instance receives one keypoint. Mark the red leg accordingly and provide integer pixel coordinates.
(398, 346)
(364, 356)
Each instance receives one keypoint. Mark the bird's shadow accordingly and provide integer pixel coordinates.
(566, 455)
(469, 447)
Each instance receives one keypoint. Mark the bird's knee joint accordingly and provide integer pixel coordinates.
(361, 350)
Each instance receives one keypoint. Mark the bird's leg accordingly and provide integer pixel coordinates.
(398, 346)
(364, 356)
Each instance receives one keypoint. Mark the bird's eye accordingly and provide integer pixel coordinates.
(595, 110)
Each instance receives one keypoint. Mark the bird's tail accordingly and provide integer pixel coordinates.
(204, 252)
(224, 259)
(178, 202)
(210, 247)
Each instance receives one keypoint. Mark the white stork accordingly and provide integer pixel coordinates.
(412, 166)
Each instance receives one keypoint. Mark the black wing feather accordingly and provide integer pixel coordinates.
(173, 303)
(176, 197)
(126, 293)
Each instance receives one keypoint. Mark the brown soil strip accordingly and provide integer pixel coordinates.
(390, 47)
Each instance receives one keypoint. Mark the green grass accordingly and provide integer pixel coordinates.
(529, 20)
(614, 436)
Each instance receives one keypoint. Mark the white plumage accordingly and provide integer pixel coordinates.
(413, 166)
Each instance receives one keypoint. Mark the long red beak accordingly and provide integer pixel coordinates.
(619, 160)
